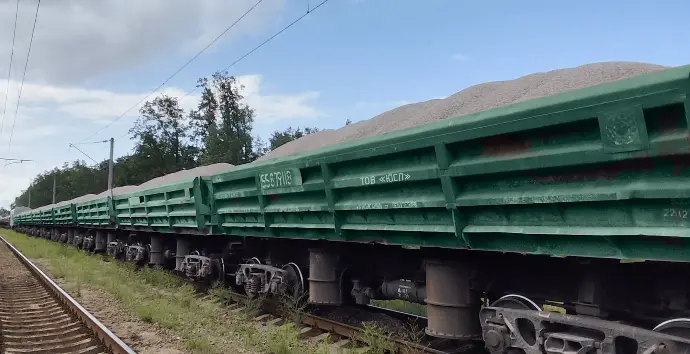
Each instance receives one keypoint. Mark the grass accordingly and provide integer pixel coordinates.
(378, 339)
(402, 306)
(160, 298)
(293, 306)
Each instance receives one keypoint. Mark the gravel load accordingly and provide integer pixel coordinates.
(471, 100)
(202, 171)
(116, 191)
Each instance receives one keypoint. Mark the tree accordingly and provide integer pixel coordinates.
(224, 122)
(283, 137)
(162, 145)
(4, 212)
(168, 139)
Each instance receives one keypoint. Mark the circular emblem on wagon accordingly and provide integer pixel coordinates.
(621, 129)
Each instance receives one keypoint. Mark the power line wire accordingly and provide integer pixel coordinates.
(26, 64)
(248, 53)
(85, 154)
(9, 71)
(257, 47)
(11, 159)
(177, 71)
(14, 161)
(264, 42)
(92, 142)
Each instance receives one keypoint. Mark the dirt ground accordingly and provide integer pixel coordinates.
(144, 338)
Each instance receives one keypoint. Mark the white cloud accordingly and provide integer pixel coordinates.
(274, 107)
(53, 115)
(460, 57)
(14, 179)
(101, 106)
(79, 39)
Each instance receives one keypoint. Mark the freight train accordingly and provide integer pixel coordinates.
(556, 225)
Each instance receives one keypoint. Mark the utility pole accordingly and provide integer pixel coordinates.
(110, 168)
(54, 183)
(29, 197)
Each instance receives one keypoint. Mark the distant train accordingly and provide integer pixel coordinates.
(578, 201)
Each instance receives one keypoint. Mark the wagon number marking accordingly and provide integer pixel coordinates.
(280, 179)
(676, 213)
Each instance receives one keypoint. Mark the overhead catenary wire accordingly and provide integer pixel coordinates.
(12, 159)
(85, 154)
(26, 64)
(177, 71)
(9, 71)
(265, 42)
(259, 46)
(92, 142)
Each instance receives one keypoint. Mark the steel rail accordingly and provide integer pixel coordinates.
(109, 340)
(344, 330)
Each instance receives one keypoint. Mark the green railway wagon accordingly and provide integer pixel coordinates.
(580, 198)
(596, 172)
(28, 217)
(566, 198)
(45, 216)
(181, 206)
(65, 214)
(95, 213)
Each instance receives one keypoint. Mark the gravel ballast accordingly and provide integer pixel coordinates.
(471, 100)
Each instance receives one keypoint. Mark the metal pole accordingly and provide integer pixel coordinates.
(110, 167)
(54, 183)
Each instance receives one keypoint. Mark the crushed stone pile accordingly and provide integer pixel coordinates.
(202, 171)
(471, 100)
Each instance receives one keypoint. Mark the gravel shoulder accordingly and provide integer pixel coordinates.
(144, 338)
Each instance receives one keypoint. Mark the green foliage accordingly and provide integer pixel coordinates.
(168, 139)
(379, 340)
(284, 340)
(223, 122)
(279, 138)
(402, 305)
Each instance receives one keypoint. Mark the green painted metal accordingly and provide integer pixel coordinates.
(598, 172)
(96, 212)
(177, 207)
(65, 214)
(25, 218)
(45, 216)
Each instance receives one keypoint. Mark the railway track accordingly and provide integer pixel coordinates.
(37, 316)
(314, 327)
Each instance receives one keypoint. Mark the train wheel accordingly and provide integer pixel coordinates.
(517, 302)
(679, 327)
(295, 280)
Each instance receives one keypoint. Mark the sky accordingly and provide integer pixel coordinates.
(91, 61)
